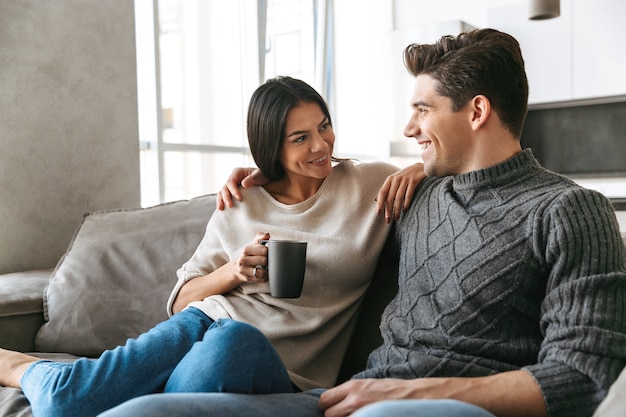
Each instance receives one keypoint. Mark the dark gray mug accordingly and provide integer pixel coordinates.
(286, 262)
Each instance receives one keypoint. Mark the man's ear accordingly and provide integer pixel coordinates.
(480, 111)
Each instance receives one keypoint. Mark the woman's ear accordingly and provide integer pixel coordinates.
(481, 109)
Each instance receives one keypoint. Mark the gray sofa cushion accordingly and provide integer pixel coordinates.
(113, 282)
(13, 403)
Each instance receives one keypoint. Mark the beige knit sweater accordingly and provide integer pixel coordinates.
(344, 237)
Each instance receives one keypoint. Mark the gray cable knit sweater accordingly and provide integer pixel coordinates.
(510, 267)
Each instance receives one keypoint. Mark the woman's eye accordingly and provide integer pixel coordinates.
(300, 139)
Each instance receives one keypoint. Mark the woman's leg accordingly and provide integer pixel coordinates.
(233, 357)
(90, 386)
(12, 367)
(421, 408)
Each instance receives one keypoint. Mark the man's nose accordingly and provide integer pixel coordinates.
(412, 128)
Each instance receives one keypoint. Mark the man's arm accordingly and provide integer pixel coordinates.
(507, 394)
(395, 194)
(240, 177)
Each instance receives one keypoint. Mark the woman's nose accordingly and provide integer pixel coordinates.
(318, 144)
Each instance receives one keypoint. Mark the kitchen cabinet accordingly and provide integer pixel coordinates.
(599, 61)
(576, 56)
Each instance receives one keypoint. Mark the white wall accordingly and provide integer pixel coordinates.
(409, 13)
(372, 87)
(68, 117)
(361, 83)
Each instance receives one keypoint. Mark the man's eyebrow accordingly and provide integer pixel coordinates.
(420, 103)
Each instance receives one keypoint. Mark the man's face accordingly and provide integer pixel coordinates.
(442, 134)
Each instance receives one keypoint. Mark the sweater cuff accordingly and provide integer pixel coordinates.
(567, 392)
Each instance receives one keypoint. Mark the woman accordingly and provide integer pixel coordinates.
(226, 332)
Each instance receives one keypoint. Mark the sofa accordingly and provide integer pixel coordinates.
(113, 282)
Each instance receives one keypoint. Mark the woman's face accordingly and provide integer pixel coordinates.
(308, 144)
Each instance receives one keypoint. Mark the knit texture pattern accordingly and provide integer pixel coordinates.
(510, 267)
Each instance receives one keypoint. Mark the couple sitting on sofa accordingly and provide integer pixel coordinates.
(506, 299)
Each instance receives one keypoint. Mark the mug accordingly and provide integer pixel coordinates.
(286, 262)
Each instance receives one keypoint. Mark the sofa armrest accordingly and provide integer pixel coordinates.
(21, 308)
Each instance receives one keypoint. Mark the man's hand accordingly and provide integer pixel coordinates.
(396, 194)
(348, 397)
(510, 394)
(244, 177)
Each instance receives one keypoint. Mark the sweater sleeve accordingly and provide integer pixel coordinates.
(583, 317)
(208, 256)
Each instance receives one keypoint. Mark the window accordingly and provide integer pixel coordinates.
(198, 63)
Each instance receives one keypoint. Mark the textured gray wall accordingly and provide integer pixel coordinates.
(68, 122)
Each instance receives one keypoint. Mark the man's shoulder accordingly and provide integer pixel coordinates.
(434, 183)
(584, 202)
(565, 191)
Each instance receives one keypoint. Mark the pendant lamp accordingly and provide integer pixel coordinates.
(543, 9)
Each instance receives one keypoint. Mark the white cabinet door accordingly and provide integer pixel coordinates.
(599, 59)
(546, 47)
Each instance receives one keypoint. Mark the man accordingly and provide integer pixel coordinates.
(512, 279)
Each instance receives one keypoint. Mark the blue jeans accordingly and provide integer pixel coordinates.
(421, 408)
(187, 353)
(303, 404)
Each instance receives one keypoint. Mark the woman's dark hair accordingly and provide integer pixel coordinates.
(479, 62)
(267, 114)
